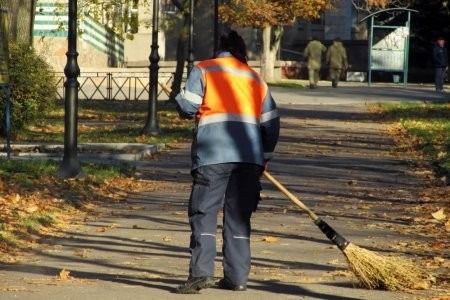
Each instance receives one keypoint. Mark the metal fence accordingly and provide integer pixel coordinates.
(114, 85)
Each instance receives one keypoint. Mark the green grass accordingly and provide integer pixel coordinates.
(35, 221)
(295, 84)
(8, 238)
(34, 168)
(431, 124)
(110, 122)
(98, 173)
(29, 174)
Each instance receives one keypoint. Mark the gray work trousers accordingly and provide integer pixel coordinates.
(235, 188)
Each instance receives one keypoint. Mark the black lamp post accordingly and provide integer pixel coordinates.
(151, 126)
(190, 63)
(70, 166)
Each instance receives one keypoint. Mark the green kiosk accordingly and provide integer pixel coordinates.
(389, 45)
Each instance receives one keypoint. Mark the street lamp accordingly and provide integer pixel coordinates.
(70, 166)
(190, 63)
(151, 126)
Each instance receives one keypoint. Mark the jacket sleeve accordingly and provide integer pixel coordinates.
(306, 52)
(269, 125)
(191, 96)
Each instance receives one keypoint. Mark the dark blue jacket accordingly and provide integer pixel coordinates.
(440, 57)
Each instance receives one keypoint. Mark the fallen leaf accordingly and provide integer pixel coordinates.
(269, 239)
(100, 229)
(334, 262)
(439, 215)
(421, 285)
(16, 198)
(12, 289)
(64, 275)
(437, 245)
(31, 208)
(441, 297)
(439, 260)
(166, 239)
(447, 225)
(339, 273)
(81, 253)
(365, 206)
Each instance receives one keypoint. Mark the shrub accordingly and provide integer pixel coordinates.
(33, 88)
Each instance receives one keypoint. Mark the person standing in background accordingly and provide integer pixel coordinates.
(440, 62)
(336, 59)
(313, 54)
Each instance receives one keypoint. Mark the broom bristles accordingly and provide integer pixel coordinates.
(392, 273)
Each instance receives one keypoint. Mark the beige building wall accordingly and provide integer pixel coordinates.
(137, 47)
(53, 50)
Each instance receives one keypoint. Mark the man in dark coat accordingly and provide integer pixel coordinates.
(440, 62)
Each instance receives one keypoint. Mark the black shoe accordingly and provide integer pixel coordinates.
(226, 284)
(194, 284)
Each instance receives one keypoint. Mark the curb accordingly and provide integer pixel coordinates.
(90, 151)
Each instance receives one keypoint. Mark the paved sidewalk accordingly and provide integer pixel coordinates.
(332, 154)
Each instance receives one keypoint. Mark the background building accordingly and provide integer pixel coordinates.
(120, 36)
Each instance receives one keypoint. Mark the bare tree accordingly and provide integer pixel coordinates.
(181, 53)
(21, 19)
(371, 6)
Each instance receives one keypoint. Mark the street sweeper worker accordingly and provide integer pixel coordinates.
(236, 130)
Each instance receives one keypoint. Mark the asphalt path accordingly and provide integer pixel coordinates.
(332, 153)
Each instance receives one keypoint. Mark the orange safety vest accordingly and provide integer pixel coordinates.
(231, 87)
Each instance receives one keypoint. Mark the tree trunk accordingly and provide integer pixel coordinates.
(181, 58)
(20, 17)
(271, 45)
(266, 64)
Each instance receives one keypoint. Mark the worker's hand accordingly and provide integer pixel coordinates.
(183, 114)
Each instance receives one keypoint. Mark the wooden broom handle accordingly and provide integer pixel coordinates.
(291, 196)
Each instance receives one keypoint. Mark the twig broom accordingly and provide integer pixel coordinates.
(371, 269)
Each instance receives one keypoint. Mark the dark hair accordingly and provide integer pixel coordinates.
(234, 44)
